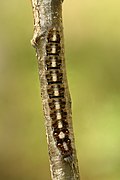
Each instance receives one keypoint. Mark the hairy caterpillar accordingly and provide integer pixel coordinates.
(56, 92)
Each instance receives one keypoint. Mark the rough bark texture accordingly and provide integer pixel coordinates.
(47, 14)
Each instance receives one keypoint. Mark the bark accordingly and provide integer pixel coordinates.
(47, 14)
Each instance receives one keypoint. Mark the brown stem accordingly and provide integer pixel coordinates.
(49, 43)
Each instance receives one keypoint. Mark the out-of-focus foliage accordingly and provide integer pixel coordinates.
(92, 41)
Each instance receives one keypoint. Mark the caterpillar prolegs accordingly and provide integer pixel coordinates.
(56, 92)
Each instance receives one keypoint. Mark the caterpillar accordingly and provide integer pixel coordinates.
(56, 93)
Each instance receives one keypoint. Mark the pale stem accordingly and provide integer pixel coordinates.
(48, 14)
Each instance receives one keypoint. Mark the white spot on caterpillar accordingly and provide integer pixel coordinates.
(54, 38)
(54, 63)
(54, 77)
(57, 105)
(53, 49)
(56, 92)
(59, 115)
(61, 135)
(65, 146)
(60, 125)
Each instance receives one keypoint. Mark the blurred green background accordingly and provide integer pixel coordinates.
(92, 42)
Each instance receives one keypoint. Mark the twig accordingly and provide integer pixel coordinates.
(49, 44)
